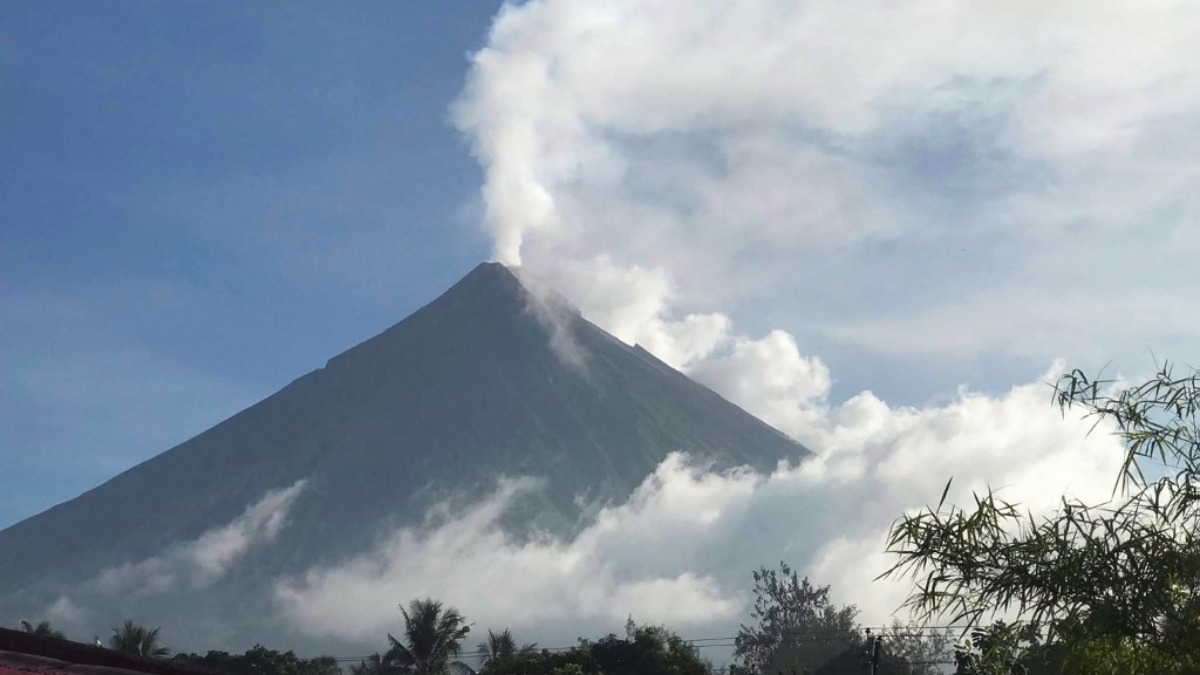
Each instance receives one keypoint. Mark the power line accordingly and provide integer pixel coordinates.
(730, 640)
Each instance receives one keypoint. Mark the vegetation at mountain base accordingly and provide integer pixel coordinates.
(1095, 588)
(259, 660)
(372, 665)
(41, 628)
(433, 637)
(138, 640)
(501, 647)
(800, 630)
(1007, 649)
(793, 616)
(644, 650)
(797, 626)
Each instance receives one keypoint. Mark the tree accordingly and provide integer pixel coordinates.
(902, 650)
(42, 628)
(644, 650)
(132, 638)
(1116, 584)
(500, 647)
(574, 661)
(259, 660)
(433, 636)
(913, 649)
(798, 627)
(372, 665)
(1007, 649)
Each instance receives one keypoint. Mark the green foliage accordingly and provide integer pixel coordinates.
(913, 649)
(259, 660)
(132, 638)
(1124, 656)
(42, 629)
(800, 631)
(1116, 584)
(373, 665)
(570, 662)
(500, 648)
(568, 669)
(645, 650)
(1007, 649)
(798, 627)
(433, 636)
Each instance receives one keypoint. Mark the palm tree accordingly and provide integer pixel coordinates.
(42, 629)
(132, 638)
(500, 647)
(373, 665)
(433, 635)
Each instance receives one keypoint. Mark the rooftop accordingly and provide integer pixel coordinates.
(26, 654)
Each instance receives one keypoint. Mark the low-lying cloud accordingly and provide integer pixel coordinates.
(471, 562)
(204, 560)
(681, 549)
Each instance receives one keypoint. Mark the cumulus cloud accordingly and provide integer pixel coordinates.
(204, 560)
(770, 378)
(924, 180)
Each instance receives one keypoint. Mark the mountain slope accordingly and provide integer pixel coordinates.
(439, 406)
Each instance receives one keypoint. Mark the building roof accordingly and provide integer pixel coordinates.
(22, 653)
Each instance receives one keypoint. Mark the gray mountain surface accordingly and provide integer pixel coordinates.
(435, 409)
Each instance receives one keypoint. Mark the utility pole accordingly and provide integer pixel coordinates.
(874, 648)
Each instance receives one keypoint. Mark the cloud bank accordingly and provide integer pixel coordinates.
(469, 561)
(681, 549)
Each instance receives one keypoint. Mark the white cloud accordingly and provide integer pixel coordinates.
(204, 560)
(771, 379)
(680, 550)
(924, 180)
(634, 304)
(470, 562)
(64, 610)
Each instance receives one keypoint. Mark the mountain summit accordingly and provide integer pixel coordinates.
(432, 411)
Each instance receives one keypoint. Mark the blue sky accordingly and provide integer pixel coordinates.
(202, 201)
(796, 203)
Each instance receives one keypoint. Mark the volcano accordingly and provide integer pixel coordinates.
(470, 388)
